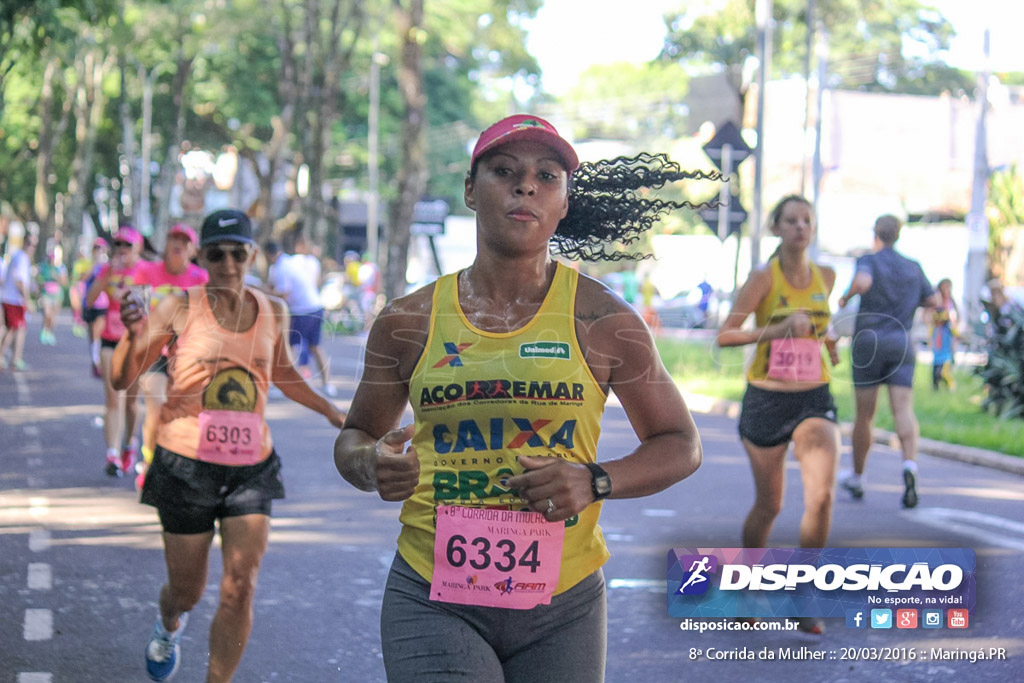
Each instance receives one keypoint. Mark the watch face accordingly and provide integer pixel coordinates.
(603, 484)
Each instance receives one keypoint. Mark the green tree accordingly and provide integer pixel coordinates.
(486, 38)
(1005, 210)
(283, 83)
(641, 102)
(39, 44)
(640, 106)
(868, 43)
(27, 27)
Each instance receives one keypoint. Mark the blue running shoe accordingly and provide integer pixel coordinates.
(163, 653)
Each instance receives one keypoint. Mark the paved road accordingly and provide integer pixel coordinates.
(80, 559)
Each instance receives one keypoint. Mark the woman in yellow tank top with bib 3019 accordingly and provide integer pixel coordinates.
(787, 397)
(507, 365)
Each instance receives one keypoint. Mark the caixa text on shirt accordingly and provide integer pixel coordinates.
(501, 389)
(499, 433)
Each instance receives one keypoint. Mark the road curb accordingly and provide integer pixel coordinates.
(708, 405)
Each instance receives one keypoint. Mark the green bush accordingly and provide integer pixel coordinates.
(1003, 373)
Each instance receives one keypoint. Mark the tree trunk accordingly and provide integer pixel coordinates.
(43, 203)
(330, 39)
(169, 168)
(50, 134)
(412, 177)
(88, 117)
(130, 180)
(268, 164)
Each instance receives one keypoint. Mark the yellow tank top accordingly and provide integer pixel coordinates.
(483, 398)
(212, 368)
(783, 301)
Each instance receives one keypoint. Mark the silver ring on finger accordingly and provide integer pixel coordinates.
(551, 506)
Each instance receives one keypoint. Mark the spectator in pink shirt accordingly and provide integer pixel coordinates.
(121, 406)
(175, 273)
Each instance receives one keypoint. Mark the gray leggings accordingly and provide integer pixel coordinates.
(426, 641)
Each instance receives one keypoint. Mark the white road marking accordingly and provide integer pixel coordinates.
(655, 512)
(997, 531)
(40, 577)
(39, 540)
(24, 396)
(38, 624)
(35, 677)
(652, 585)
(386, 559)
(38, 507)
(984, 520)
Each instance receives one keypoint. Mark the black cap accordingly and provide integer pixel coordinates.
(226, 225)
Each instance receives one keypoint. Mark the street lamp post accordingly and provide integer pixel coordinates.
(977, 221)
(821, 51)
(763, 18)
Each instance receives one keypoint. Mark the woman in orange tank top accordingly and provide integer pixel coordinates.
(214, 459)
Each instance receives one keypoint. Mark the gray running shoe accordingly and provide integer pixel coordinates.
(910, 493)
(853, 487)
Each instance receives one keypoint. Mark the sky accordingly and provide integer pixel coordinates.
(607, 31)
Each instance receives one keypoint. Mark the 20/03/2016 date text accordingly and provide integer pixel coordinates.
(921, 653)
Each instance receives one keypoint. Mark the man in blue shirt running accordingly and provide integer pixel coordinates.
(891, 288)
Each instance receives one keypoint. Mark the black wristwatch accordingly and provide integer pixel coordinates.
(600, 482)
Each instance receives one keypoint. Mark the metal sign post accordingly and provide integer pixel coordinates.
(727, 149)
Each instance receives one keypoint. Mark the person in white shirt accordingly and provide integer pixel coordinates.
(15, 300)
(296, 278)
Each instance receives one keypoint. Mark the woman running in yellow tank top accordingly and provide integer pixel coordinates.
(507, 365)
(787, 398)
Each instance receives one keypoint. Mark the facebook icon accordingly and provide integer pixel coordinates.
(855, 618)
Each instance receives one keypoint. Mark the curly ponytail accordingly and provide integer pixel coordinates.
(604, 205)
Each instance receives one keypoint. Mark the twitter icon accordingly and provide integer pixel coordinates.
(881, 618)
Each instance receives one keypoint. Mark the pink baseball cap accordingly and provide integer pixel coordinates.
(182, 230)
(99, 243)
(525, 127)
(127, 233)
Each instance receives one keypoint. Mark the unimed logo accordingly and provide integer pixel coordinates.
(544, 349)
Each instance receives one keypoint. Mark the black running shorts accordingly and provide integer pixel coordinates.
(190, 495)
(769, 418)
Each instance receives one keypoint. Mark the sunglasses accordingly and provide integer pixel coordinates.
(216, 254)
(119, 243)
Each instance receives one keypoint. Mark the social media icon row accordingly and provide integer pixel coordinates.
(906, 618)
